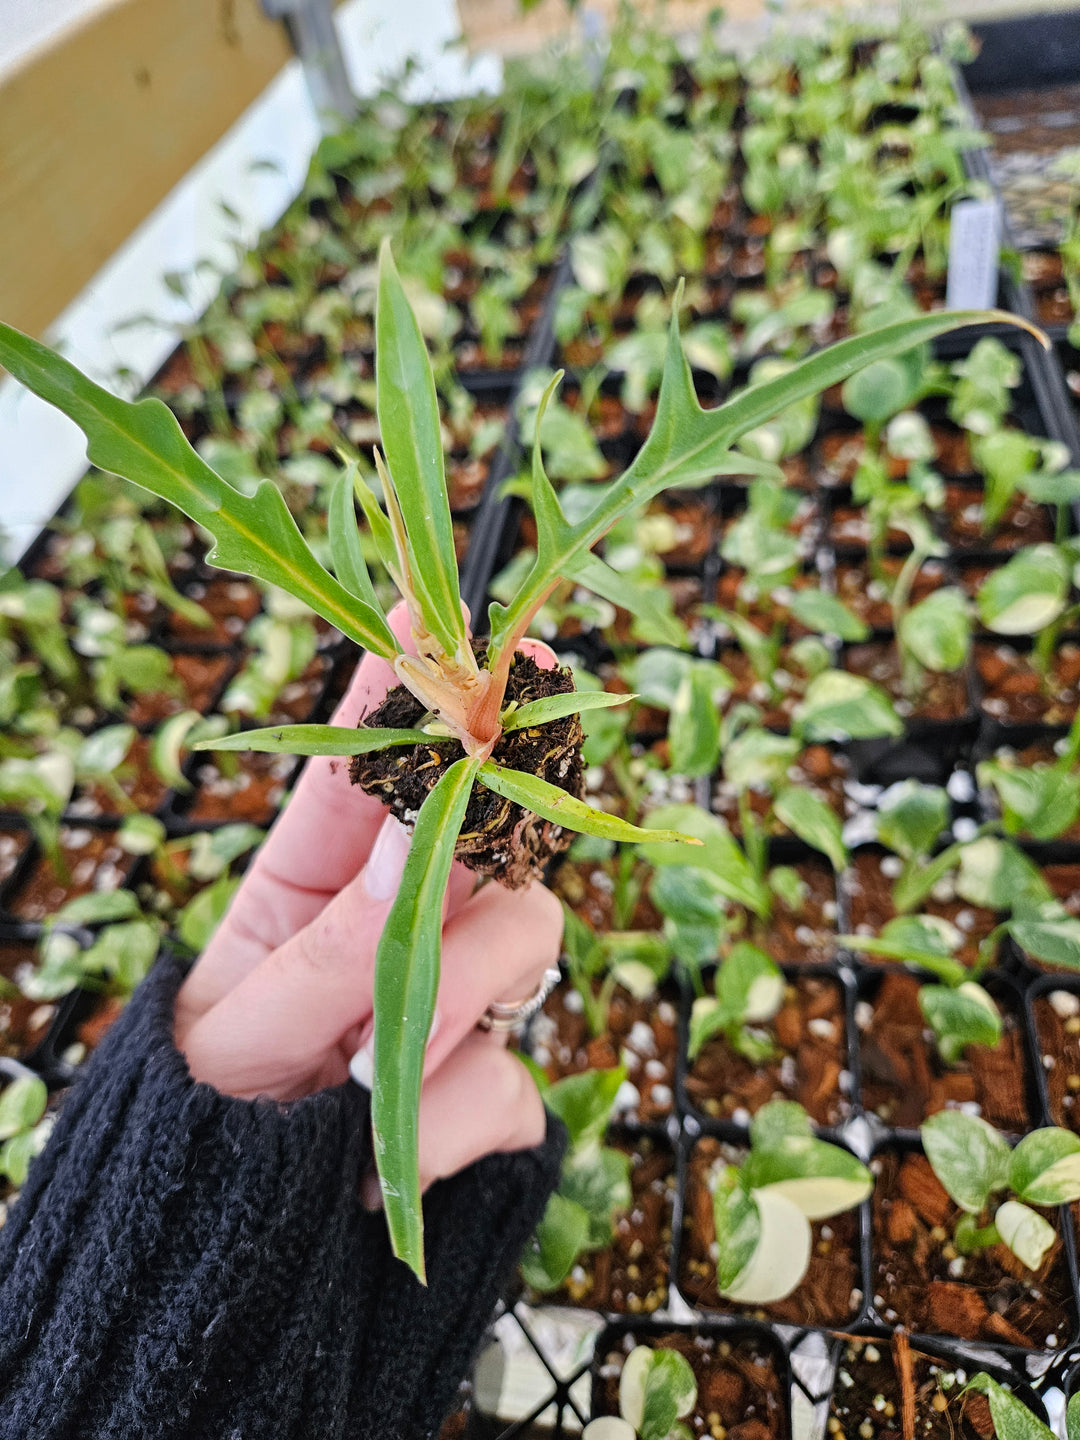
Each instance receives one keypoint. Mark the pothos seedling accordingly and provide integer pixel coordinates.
(1030, 595)
(657, 1390)
(762, 1209)
(594, 1183)
(638, 960)
(749, 990)
(974, 1163)
(453, 698)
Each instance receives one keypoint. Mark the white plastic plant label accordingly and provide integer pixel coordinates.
(974, 251)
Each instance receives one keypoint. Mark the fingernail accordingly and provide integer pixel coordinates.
(382, 873)
(362, 1064)
(371, 1192)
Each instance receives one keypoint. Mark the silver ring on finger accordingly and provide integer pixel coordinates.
(514, 1015)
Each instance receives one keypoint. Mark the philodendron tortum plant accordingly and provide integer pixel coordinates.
(476, 743)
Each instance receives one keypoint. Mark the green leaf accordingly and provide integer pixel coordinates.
(22, 1104)
(406, 982)
(719, 855)
(996, 874)
(825, 613)
(820, 1179)
(687, 444)
(959, 1018)
(556, 707)
(1072, 1419)
(813, 820)
(911, 817)
(315, 740)
(694, 729)
(650, 605)
(597, 1178)
(749, 984)
(937, 630)
(1050, 934)
(968, 1156)
(560, 1237)
(1027, 1233)
(738, 1227)
(670, 1392)
(839, 706)
(96, 907)
(1040, 802)
(1012, 1418)
(781, 1255)
(925, 940)
(143, 442)
(411, 431)
(779, 1121)
(344, 536)
(758, 758)
(105, 749)
(1045, 1167)
(202, 915)
(583, 1102)
(167, 744)
(1027, 593)
(561, 808)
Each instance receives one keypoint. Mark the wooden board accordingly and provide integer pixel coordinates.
(96, 129)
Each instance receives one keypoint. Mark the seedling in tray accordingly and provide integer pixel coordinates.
(595, 1180)
(477, 746)
(656, 1390)
(763, 1208)
(975, 1165)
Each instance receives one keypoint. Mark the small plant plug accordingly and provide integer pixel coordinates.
(974, 1164)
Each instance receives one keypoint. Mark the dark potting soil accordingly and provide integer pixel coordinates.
(198, 680)
(641, 1034)
(630, 1275)
(829, 1293)
(964, 527)
(1015, 693)
(868, 597)
(230, 604)
(922, 1283)
(820, 768)
(498, 837)
(905, 1080)
(867, 1398)
(939, 697)
(1057, 1024)
(810, 1065)
(776, 701)
(91, 1031)
(868, 883)
(739, 1393)
(94, 862)
(806, 936)
(253, 793)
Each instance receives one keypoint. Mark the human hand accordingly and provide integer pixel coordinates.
(281, 999)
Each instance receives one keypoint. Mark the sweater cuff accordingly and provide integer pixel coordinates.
(211, 1260)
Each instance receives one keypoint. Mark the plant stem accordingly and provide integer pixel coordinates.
(970, 1237)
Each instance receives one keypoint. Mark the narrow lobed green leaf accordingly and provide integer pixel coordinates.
(557, 707)
(344, 536)
(562, 808)
(142, 441)
(411, 430)
(406, 983)
(314, 740)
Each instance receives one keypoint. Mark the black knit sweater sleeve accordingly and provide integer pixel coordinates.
(185, 1265)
